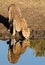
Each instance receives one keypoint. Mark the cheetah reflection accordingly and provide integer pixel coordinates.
(13, 58)
(17, 50)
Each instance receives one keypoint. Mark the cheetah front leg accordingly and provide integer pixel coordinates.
(14, 31)
(10, 19)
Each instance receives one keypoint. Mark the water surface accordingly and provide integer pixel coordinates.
(29, 57)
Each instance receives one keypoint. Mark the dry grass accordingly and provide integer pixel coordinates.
(32, 10)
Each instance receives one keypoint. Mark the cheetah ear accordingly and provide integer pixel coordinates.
(8, 8)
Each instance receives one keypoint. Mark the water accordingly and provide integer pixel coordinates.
(29, 57)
